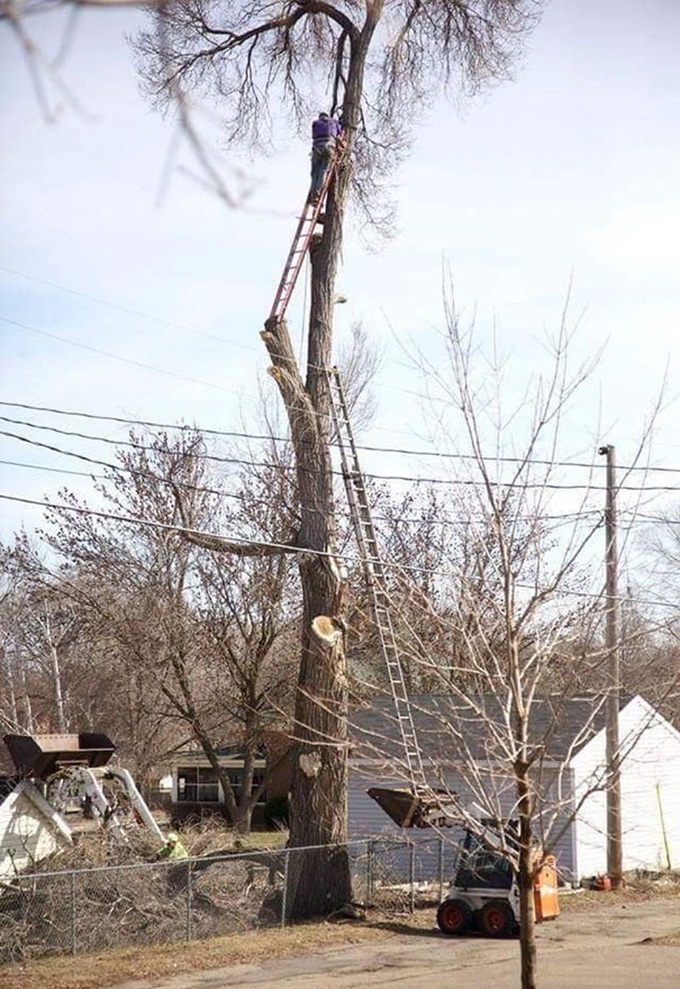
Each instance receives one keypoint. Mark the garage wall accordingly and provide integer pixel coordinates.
(650, 794)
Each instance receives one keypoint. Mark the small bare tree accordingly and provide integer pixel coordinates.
(201, 653)
(513, 636)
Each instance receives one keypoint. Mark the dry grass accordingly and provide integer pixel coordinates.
(638, 887)
(119, 965)
(125, 964)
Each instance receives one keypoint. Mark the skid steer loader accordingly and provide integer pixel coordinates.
(484, 894)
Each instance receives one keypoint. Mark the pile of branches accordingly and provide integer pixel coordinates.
(109, 895)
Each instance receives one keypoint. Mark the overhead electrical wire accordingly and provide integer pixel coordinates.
(284, 547)
(192, 330)
(184, 328)
(115, 357)
(177, 376)
(451, 482)
(130, 310)
(562, 517)
(402, 451)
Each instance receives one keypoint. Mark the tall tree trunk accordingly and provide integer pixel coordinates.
(525, 878)
(28, 709)
(58, 695)
(319, 786)
(321, 881)
(12, 693)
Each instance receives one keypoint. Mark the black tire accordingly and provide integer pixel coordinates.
(496, 919)
(454, 917)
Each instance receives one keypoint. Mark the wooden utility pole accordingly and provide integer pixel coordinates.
(614, 857)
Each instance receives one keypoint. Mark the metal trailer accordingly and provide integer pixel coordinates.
(71, 772)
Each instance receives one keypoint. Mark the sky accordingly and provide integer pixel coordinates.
(127, 289)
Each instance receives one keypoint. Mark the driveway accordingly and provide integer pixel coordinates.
(602, 948)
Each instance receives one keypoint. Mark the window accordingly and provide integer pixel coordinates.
(197, 785)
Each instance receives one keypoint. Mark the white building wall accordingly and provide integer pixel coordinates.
(650, 794)
(30, 830)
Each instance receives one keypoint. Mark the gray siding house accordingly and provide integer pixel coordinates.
(461, 753)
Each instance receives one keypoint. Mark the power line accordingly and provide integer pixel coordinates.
(283, 547)
(130, 310)
(236, 434)
(143, 422)
(562, 517)
(192, 330)
(452, 482)
(135, 446)
(164, 526)
(114, 357)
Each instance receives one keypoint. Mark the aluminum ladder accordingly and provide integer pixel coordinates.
(300, 245)
(374, 573)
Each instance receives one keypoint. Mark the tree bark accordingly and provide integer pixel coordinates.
(525, 879)
(322, 881)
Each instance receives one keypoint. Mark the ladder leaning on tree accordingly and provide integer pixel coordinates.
(374, 573)
(300, 245)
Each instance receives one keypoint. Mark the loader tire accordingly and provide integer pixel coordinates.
(496, 919)
(454, 917)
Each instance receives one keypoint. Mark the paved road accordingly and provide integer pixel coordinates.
(600, 949)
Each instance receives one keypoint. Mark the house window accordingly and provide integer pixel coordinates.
(197, 785)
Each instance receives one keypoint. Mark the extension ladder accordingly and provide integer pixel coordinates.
(374, 573)
(300, 246)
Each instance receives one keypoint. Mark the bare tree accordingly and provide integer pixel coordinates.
(379, 61)
(200, 653)
(499, 718)
(42, 638)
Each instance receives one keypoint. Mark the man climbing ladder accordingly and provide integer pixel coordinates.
(326, 153)
(326, 135)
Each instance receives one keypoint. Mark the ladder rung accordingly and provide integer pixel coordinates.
(374, 571)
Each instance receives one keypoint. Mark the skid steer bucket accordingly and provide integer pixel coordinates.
(409, 809)
(39, 756)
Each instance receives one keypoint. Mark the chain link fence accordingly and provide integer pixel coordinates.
(89, 910)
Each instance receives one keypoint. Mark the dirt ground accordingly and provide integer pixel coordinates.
(613, 941)
(613, 946)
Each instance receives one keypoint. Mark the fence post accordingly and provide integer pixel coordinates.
(368, 871)
(412, 875)
(189, 898)
(73, 914)
(284, 893)
(441, 867)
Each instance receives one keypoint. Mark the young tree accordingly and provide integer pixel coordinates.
(499, 717)
(43, 634)
(380, 60)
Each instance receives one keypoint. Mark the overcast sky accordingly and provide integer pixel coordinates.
(112, 257)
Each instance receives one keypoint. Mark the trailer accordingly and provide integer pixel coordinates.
(62, 780)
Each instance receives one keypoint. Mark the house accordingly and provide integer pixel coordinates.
(196, 791)
(456, 746)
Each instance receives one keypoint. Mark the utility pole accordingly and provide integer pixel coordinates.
(614, 857)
